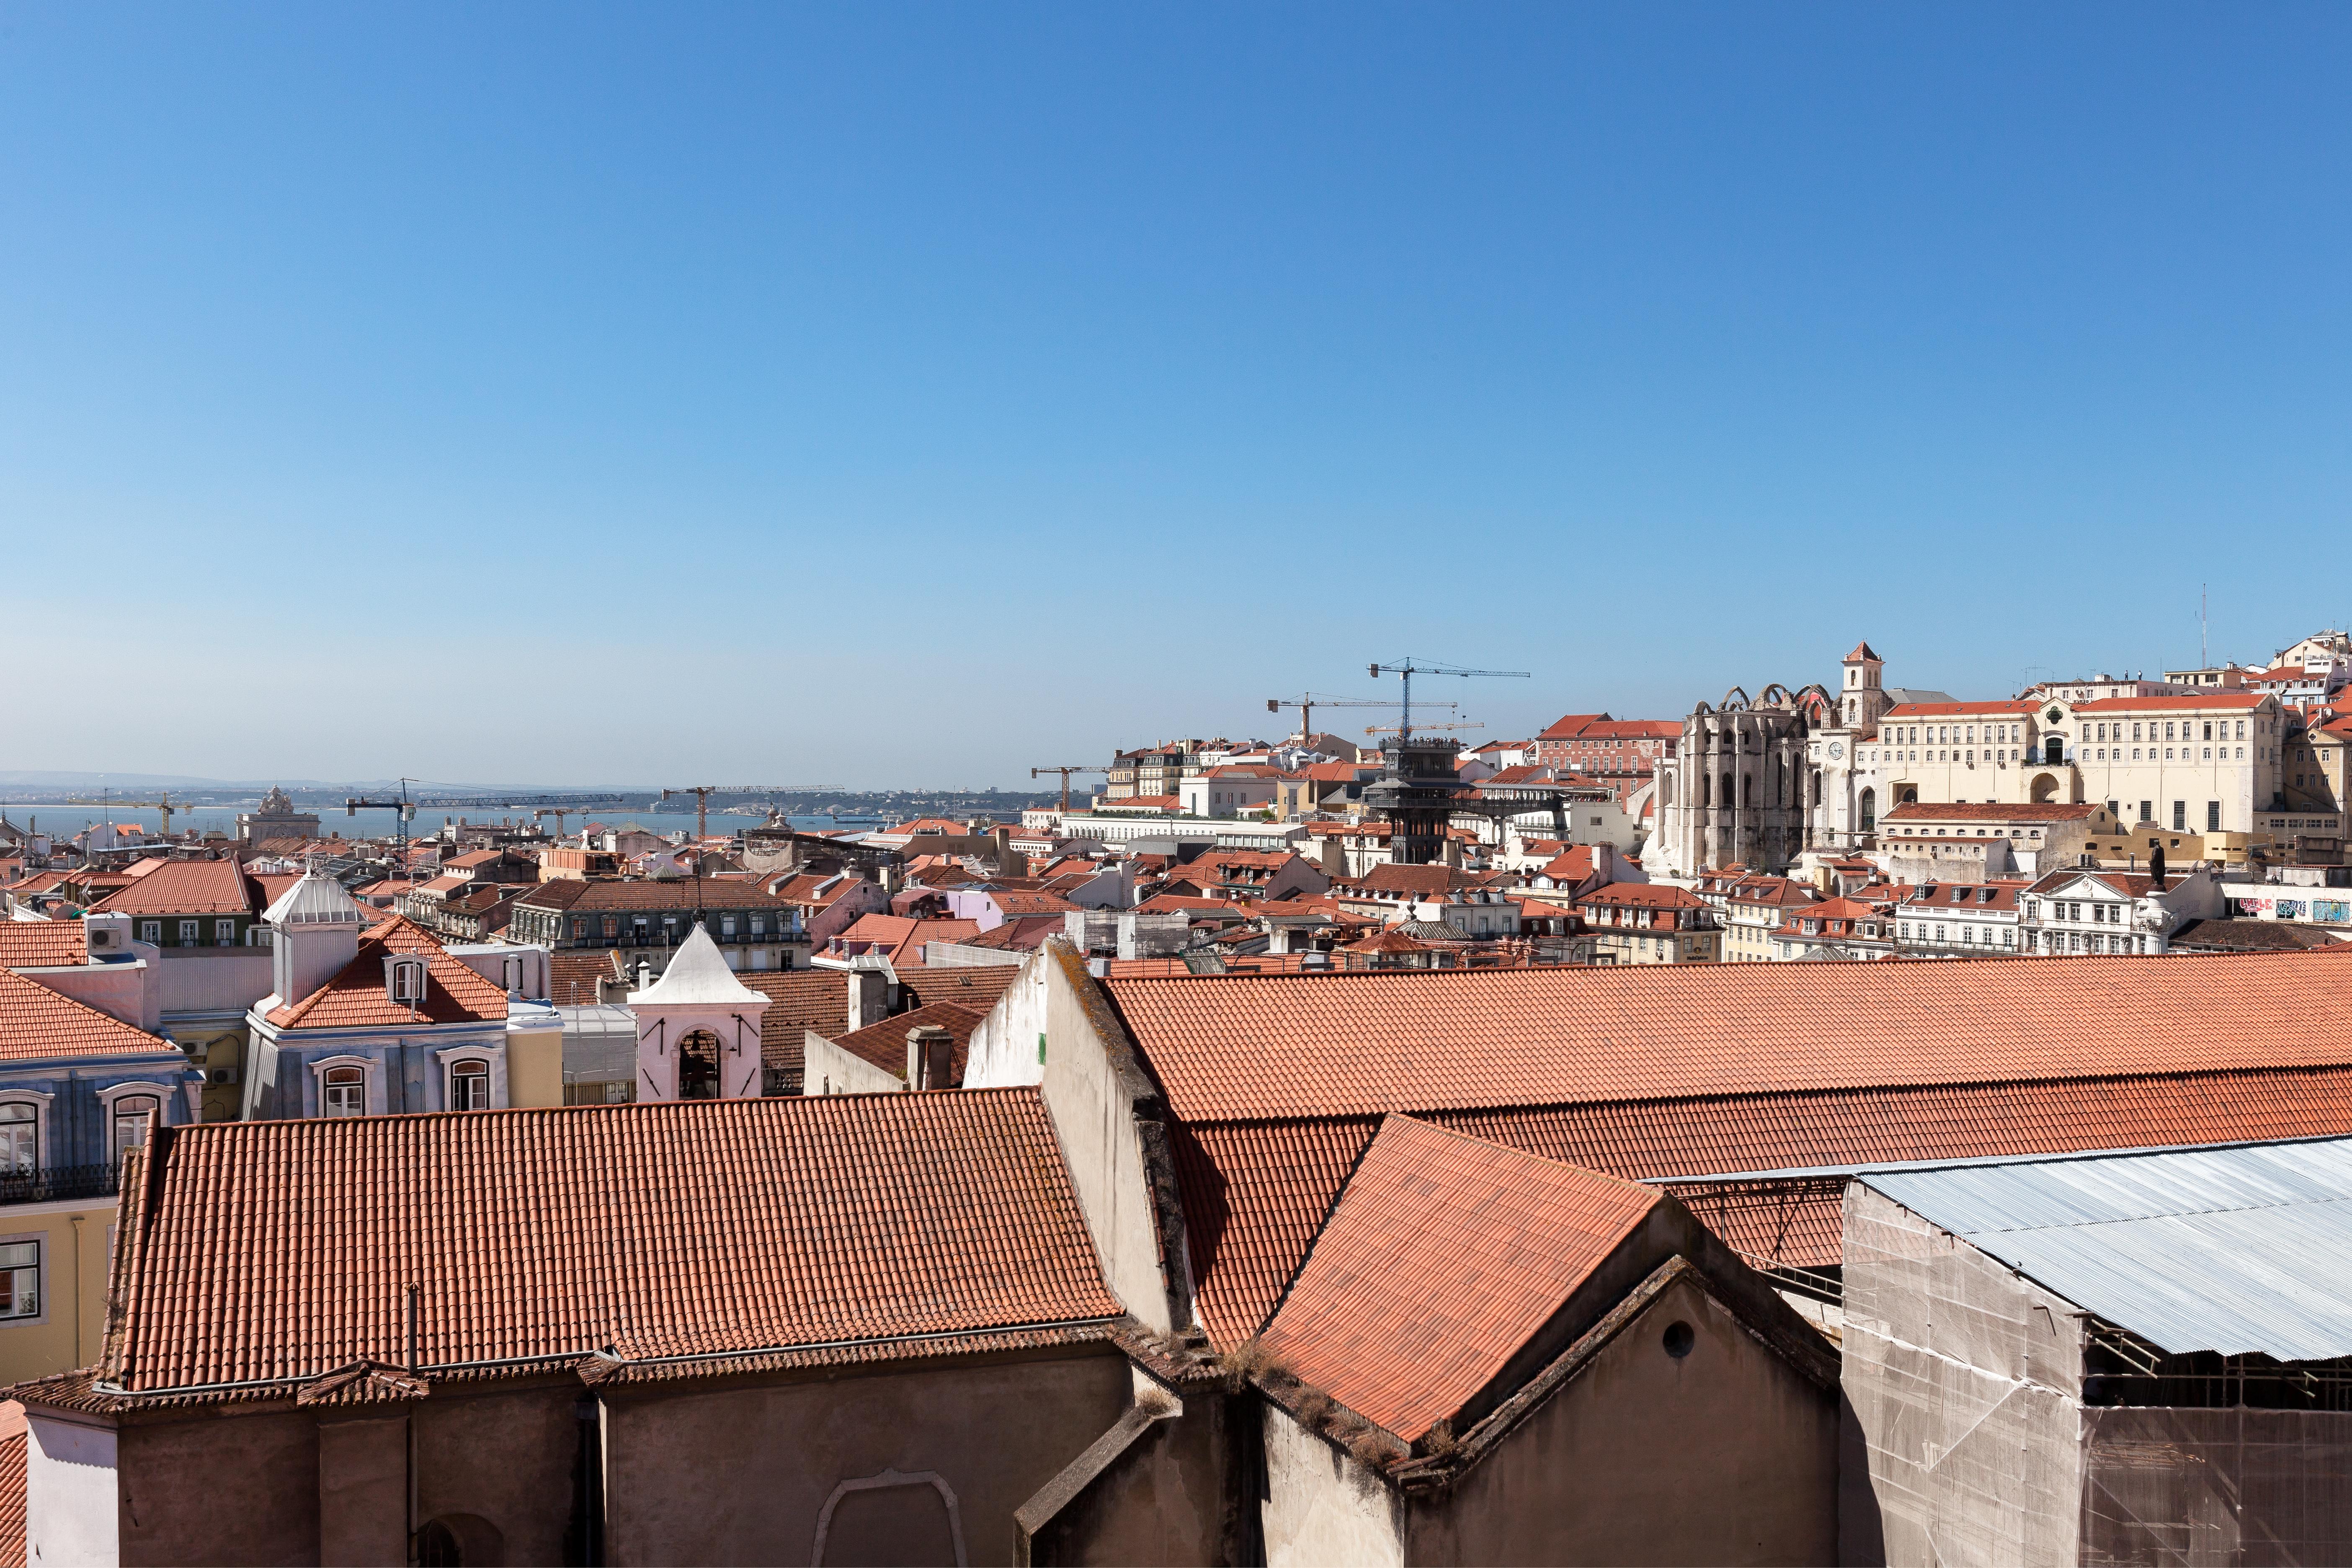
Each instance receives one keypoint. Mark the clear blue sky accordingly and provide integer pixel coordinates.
(899, 395)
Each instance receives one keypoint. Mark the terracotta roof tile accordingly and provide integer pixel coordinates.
(1988, 811)
(967, 985)
(12, 1485)
(884, 1043)
(358, 996)
(1465, 1039)
(42, 945)
(798, 1000)
(1443, 1255)
(36, 1023)
(183, 887)
(1254, 1193)
(283, 1251)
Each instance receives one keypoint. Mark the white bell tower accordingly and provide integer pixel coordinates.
(698, 1028)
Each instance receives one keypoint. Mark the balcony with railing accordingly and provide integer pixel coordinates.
(57, 1183)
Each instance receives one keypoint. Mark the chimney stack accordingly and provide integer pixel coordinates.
(931, 1057)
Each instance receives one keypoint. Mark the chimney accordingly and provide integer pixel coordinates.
(1453, 853)
(931, 1057)
(869, 1001)
(645, 974)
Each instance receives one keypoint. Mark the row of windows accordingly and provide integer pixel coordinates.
(723, 927)
(1969, 934)
(2099, 754)
(20, 1132)
(346, 1089)
(190, 932)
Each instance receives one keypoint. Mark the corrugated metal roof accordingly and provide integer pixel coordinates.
(2241, 1250)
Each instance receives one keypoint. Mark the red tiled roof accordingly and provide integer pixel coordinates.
(1961, 709)
(884, 1043)
(183, 887)
(798, 1000)
(1463, 1038)
(1443, 1255)
(1645, 896)
(283, 1251)
(41, 944)
(1255, 1191)
(1988, 811)
(1569, 724)
(572, 977)
(1419, 880)
(1015, 904)
(903, 936)
(1861, 651)
(12, 1485)
(358, 996)
(36, 1023)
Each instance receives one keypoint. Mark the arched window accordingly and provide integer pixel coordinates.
(697, 1065)
(133, 1114)
(469, 1085)
(1869, 810)
(346, 1092)
(20, 1140)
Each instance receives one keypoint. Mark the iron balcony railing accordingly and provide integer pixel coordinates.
(56, 1183)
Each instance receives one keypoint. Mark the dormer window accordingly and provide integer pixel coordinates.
(404, 980)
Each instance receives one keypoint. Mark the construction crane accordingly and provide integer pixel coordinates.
(1307, 701)
(702, 793)
(404, 812)
(1408, 668)
(109, 799)
(1065, 772)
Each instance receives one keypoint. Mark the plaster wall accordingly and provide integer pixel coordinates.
(363, 1490)
(181, 1503)
(827, 1069)
(1009, 1047)
(129, 993)
(76, 1245)
(213, 979)
(71, 1514)
(1096, 1094)
(535, 1067)
(1726, 1455)
(744, 1475)
(1167, 1494)
(1323, 1508)
(1963, 1384)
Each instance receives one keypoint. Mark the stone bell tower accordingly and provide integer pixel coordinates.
(1862, 698)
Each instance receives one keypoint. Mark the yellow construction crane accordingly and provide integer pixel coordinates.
(108, 798)
(1065, 772)
(702, 793)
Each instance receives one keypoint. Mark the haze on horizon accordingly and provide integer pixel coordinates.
(884, 398)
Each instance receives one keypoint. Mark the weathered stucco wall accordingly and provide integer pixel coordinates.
(1094, 1091)
(241, 1488)
(1725, 1454)
(827, 1069)
(1323, 1510)
(1005, 1050)
(72, 1326)
(1162, 1485)
(1963, 1386)
(745, 1474)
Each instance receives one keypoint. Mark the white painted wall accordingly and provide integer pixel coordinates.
(72, 1512)
(1321, 1506)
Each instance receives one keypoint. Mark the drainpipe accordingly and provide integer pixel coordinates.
(408, 1427)
(78, 1287)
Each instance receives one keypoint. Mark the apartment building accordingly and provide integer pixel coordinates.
(1961, 920)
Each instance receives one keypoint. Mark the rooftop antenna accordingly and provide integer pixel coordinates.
(2204, 654)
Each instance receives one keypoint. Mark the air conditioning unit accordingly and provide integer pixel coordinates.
(222, 1075)
(101, 938)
